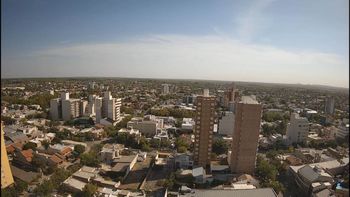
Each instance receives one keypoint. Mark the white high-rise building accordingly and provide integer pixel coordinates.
(104, 107)
(64, 96)
(98, 109)
(111, 109)
(226, 124)
(56, 109)
(165, 89)
(83, 108)
(329, 105)
(106, 103)
(297, 129)
(118, 104)
(70, 109)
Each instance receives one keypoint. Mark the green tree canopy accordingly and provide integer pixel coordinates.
(220, 147)
(79, 149)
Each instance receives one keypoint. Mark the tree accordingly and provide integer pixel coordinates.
(169, 183)
(29, 145)
(46, 144)
(89, 159)
(268, 130)
(181, 141)
(220, 146)
(8, 120)
(181, 149)
(59, 176)
(38, 162)
(277, 186)
(79, 149)
(164, 143)
(123, 123)
(122, 137)
(16, 190)
(155, 143)
(265, 171)
(44, 189)
(89, 190)
(111, 131)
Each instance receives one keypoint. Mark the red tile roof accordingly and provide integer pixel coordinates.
(56, 159)
(66, 150)
(28, 154)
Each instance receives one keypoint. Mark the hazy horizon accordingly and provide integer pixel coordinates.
(267, 41)
(165, 79)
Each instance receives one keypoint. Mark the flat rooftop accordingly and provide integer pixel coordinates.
(248, 100)
(261, 192)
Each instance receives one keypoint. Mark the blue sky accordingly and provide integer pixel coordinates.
(281, 41)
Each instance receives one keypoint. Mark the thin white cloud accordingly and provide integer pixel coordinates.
(252, 20)
(198, 57)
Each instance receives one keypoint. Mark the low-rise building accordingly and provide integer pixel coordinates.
(259, 192)
(187, 124)
(84, 175)
(311, 179)
(110, 151)
(123, 165)
(183, 161)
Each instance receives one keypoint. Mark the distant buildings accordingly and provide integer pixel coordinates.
(66, 108)
(229, 96)
(148, 125)
(110, 108)
(70, 109)
(56, 109)
(102, 108)
(189, 99)
(248, 114)
(329, 105)
(297, 129)
(204, 120)
(165, 89)
(6, 174)
(226, 124)
(342, 132)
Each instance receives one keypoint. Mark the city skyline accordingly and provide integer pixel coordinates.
(258, 41)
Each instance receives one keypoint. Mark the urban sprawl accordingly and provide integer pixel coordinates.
(146, 137)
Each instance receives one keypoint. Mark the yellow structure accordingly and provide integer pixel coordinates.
(6, 175)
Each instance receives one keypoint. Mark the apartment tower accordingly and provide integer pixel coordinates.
(204, 121)
(329, 105)
(247, 114)
(229, 95)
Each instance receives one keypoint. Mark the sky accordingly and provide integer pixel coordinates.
(274, 41)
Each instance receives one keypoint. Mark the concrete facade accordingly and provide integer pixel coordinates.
(226, 124)
(297, 129)
(56, 109)
(204, 121)
(248, 114)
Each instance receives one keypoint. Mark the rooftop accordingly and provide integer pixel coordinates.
(75, 183)
(261, 192)
(125, 159)
(120, 167)
(25, 176)
(248, 100)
